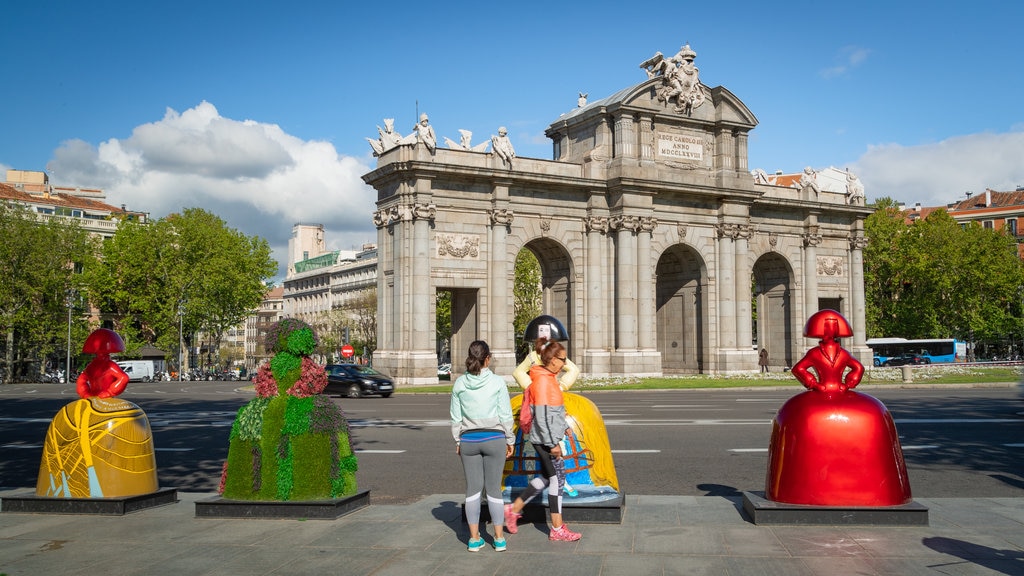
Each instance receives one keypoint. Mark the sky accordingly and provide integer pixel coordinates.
(259, 111)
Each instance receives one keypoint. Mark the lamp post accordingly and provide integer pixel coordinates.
(69, 299)
(181, 338)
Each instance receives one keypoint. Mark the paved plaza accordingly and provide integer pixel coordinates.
(691, 535)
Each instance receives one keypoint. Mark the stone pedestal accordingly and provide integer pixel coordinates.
(218, 507)
(762, 511)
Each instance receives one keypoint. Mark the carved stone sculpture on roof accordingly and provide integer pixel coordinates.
(680, 79)
(809, 181)
(854, 190)
(465, 142)
(425, 133)
(502, 146)
(387, 138)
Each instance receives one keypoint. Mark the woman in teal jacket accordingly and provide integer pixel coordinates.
(482, 427)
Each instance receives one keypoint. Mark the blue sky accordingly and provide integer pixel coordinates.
(258, 111)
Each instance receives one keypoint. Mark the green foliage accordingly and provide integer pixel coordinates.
(526, 291)
(285, 367)
(934, 278)
(249, 422)
(279, 336)
(42, 260)
(285, 464)
(296, 416)
(191, 262)
(443, 315)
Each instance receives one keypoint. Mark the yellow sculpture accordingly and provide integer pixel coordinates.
(99, 446)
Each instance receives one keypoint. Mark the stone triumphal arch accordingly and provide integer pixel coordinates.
(657, 244)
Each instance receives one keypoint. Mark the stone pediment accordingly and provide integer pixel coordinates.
(720, 107)
(640, 122)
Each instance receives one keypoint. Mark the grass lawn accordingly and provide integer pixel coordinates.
(931, 375)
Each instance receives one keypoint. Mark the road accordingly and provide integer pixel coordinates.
(958, 442)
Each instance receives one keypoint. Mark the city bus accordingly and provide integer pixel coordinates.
(887, 351)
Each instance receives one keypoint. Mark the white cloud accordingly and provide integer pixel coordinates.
(850, 57)
(939, 173)
(253, 175)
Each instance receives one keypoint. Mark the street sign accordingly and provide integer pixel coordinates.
(348, 351)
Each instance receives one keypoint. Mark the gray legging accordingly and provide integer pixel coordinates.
(484, 463)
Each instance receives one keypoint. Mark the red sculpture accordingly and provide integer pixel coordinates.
(102, 378)
(831, 446)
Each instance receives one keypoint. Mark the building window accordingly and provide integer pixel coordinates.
(1011, 226)
(987, 225)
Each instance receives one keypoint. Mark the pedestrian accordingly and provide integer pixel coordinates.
(546, 433)
(566, 376)
(762, 360)
(481, 413)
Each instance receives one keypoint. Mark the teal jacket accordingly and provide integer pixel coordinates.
(481, 402)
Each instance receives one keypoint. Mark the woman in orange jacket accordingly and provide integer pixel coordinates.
(547, 430)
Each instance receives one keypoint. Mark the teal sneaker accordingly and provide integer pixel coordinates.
(476, 544)
(499, 545)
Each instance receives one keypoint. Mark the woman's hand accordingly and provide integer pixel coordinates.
(556, 450)
(509, 448)
(457, 449)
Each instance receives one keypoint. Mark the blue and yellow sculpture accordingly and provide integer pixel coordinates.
(99, 446)
(589, 467)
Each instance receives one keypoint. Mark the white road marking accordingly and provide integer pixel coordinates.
(958, 421)
(744, 450)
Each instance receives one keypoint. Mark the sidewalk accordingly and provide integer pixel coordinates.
(658, 535)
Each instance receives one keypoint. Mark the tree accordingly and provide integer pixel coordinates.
(526, 291)
(443, 324)
(934, 278)
(191, 263)
(363, 310)
(42, 261)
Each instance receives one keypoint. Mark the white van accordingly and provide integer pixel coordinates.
(137, 369)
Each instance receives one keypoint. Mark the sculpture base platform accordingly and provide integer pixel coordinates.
(332, 509)
(30, 503)
(762, 511)
(608, 511)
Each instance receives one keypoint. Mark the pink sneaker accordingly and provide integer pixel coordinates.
(511, 518)
(563, 534)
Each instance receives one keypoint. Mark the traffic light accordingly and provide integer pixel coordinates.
(344, 338)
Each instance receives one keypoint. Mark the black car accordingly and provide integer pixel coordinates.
(355, 380)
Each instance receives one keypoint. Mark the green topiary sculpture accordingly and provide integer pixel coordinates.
(289, 443)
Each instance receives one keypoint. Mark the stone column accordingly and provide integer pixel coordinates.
(646, 325)
(811, 240)
(744, 337)
(596, 354)
(421, 299)
(625, 137)
(857, 299)
(499, 312)
(741, 152)
(626, 282)
(726, 285)
(646, 138)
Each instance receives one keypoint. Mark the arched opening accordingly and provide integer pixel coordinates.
(681, 310)
(773, 300)
(555, 284)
